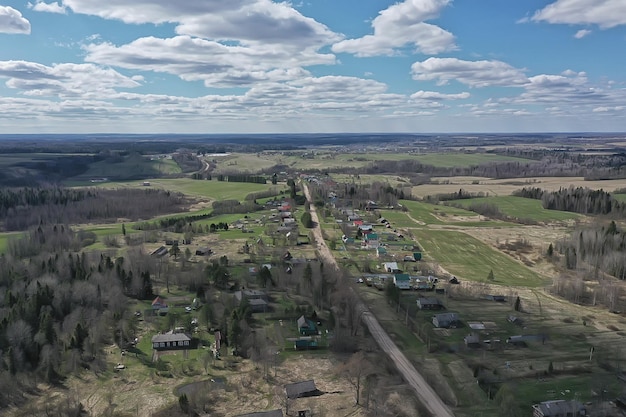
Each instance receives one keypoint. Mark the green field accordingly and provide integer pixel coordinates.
(619, 197)
(469, 258)
(434, 214)
(521, 208)
(450, 160)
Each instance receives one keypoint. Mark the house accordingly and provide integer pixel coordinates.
(381, 252)
(371, 240)
(402, 281)
(391, 266)
(301, 389)
(171, 242)
(445, 320)
(272, 413)
(306, 327)
(158, 303)
(171, 340)
(429, 303)
(498, 298)
(559, 408)
(257, 300)
(366, 228)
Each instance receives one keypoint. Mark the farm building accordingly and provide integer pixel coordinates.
(306, 327)
(445, 320)
(429, 303)
(301, 389)
(271, 413)
(402, 281)
(559, 408)
(171, 340)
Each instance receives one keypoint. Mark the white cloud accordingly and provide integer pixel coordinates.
(247, 22)
(582, 33)
(604, 13)
(12, 21)
(216, 64)
(471, 73)
(63, 80)
(41, 6)
(400, 25)
(435, 95)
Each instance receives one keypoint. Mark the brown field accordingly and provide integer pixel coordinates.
(499, 187)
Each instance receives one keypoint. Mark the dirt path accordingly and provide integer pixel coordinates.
(424, 392)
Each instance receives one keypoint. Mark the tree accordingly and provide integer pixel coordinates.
(307, 220)
(264, 276)
(356, 370)
(175, 251)
(518, 304)
(123, 229)
(491, 277)
(550, 251)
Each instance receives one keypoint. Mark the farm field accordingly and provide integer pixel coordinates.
(500, 187)
(521, 208)
(463, 255)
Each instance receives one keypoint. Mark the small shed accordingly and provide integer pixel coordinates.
(429, 303)
(301, 389)
(306, 327)
(390, 266)
(445, 320)
(472, 340)
(417, 256)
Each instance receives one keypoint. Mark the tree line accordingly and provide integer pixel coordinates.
(576, 199)
(27, 207)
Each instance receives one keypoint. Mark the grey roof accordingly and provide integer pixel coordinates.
(271, 413)
(428, 301)
(446, 316)
(559, 408)
(300, 389)
(302, 322)
(170, 337)
(257, 302)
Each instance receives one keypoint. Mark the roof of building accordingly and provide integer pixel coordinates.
(170, 337)
(428, 301)
(558, 407)
(300, 389)
(158, 301)
(257, 302)
(402, 277)
(271, 413)
(446, 316)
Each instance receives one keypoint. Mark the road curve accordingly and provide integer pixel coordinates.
(424, 392)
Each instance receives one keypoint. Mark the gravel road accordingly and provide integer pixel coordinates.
(424, 392)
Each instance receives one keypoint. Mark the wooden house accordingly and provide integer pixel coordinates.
(171, 340)
(445, 320)
(402, 281)
(306, 327)
(429, 303)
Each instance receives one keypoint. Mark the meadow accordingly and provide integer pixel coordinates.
(521, 208)
(469, 258)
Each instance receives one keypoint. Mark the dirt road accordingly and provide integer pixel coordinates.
(424, 392)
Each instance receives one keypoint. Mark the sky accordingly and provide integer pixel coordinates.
(312, 66)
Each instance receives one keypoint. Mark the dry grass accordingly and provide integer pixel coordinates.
(499, 187)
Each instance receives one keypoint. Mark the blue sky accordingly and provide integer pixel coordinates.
(217, 66)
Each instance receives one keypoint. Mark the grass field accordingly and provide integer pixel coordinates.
(521, 208)
(469, 258)
(620, 197)
(435, 214)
